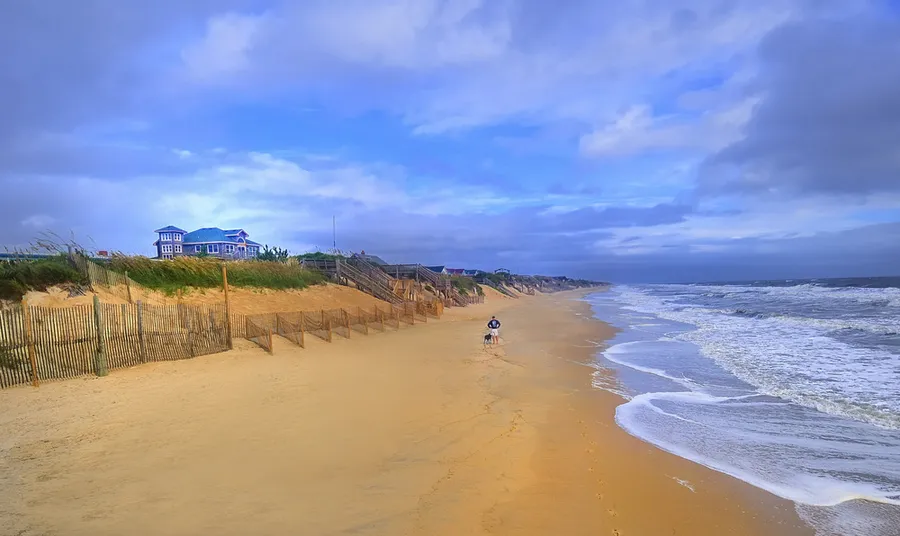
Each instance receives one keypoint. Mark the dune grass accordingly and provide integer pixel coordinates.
(465, 285)
(183, 272)
(20, 276)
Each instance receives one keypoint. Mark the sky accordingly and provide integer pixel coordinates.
(625, 141)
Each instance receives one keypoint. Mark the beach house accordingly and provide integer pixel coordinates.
(222, 243)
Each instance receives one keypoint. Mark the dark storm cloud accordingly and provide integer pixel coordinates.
(829, 120)
(866, 251)
(519, 239)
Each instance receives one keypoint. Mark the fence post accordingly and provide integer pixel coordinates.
(190, 335)
(227, 308)
(271, 348)
(346, 316)
(140, 328)
(380, 316)
(128, 287)
(326, 324)
(29, 341)
(100, 367)
(364, 320)
(302, 330)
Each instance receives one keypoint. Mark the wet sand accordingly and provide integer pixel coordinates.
(418, 431)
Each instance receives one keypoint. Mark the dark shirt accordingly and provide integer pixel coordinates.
(494, 324)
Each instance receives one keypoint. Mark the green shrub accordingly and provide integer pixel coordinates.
(318, 256)
(20, 276)
(182, 272)
(465, 285)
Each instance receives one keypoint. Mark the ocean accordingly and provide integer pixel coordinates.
(792, 386)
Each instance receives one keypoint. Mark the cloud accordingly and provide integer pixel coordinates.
(637, 131)
(224, 50)
(827, 121)
(452, 60)
(518, 133)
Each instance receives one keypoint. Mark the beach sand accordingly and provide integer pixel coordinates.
(416, 431)
(243, 300)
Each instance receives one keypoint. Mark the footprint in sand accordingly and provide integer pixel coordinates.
(612, 513)
(616, 532)
(600, 496)
(589, 451)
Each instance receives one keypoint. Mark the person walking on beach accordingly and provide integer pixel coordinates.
(494, 326)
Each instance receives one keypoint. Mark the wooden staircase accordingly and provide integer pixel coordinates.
(345, 272)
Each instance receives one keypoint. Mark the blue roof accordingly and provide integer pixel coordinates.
(213, 234)
(436, 269)
(169, 229)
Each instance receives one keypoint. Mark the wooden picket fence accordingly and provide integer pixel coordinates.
(119, 285)
(39, 344)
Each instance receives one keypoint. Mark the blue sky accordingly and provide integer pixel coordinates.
(625, 141)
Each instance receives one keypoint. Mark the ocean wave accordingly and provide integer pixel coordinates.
(793, 357)
(613, 354)
(775, 460)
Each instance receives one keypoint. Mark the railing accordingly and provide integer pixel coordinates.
(366, 283)
(372, 271)
(341, 269)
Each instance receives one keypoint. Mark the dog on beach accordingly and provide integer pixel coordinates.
(487, 339)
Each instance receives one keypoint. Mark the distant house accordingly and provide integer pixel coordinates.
(438, 269)
(470, 273)
(455, 271)
(226, 244)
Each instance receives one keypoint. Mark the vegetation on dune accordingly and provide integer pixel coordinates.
(182, 272)
(466, 285)
(275, 254)
(20, 276)
(318, 256)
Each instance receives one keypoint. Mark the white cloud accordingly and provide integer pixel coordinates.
(225, 48)
(637, 131)
(452, 65)
(39, 221)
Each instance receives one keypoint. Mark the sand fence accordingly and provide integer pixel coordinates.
(40, 344)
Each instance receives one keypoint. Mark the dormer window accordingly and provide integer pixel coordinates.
(176, 237)
(165, 237)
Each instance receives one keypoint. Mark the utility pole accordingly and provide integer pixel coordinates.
(333, 233)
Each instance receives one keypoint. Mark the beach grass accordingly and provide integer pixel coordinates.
(192, 272)
(466, 285)
(20, 276)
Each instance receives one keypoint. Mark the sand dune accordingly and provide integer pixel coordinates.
(243, 300)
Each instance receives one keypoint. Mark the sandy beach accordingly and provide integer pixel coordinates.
(416, 431)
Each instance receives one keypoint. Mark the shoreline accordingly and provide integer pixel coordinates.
(637, 487)
(420, 431)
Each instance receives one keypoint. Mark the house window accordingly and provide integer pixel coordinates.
(167, 248)
(177, 248)
(167, 256)
(229, 248)
(198, 249)
(212, 248)
(165, 236)
(176, 237)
